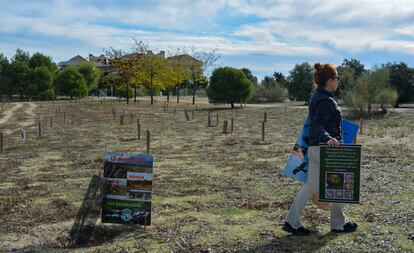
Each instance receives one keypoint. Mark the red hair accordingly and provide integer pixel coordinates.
(323, 72)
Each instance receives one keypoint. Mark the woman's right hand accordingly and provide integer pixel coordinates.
(333, 142)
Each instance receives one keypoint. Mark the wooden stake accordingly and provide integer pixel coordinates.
(186, 115)
(231, 125)
(113, 113)
(40, 129)
(148, 141)
(263, 131)
(23, 134)
(121, 119)
(217, 120)
(1, 142)
(265, 116)
(225, 127)
(208, 120)
(51, 121)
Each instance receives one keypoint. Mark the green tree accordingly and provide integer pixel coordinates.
(121, 91)
(369, 91)
(402, 79)
(280, 79)
(90, 73)
(17, 78)
(229, 85)
(71, 83)
(300, 82)
(42, 83)
(250, 75)
(22, 56)
(41, 60)
(348, 80)
(4, 64)
(357, 67)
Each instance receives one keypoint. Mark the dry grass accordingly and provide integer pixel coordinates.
(212, 191)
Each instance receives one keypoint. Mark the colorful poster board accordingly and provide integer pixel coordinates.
(127, 189)
(340, 173)
(297, 164)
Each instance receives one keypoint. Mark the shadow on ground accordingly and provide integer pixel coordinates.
(291, 243)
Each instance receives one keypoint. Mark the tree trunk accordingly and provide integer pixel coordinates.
(152, 96)
(126, 93)
(194, 92)
(178, 94)
(135, 94)
(232, 105)
(168, 95)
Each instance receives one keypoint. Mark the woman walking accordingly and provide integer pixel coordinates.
(325, 117)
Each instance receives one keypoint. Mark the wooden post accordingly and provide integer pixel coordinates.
(225, 127)
(164, 108)
(285, 110)
(265, 116)
(23, 134)
(263, 131)
(361, 123)
(186, 115)
(209, 120)
(217, 116)
(51, 121)
(113, 113)
(231, 125)
(148, 142)
(40, 129)
(1, 142)
(121, 119)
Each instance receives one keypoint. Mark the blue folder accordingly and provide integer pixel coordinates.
(297, 163)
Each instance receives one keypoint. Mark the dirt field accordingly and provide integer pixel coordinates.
(213, 192)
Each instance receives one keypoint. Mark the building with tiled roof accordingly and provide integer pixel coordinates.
(77, 60)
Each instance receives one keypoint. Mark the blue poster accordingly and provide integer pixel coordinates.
(297, 163)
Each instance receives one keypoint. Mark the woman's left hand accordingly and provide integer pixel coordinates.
(333, 142)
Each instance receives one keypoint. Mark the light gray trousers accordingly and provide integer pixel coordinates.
(338, 218)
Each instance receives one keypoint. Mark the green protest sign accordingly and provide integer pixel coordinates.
(340, 173)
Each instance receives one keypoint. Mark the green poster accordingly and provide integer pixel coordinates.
(340, 173)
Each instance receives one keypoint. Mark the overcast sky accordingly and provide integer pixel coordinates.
(264, 35)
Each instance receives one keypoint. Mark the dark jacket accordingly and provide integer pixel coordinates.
(325, 117)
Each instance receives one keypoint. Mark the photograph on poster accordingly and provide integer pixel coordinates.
(348, 194)
(334, 180)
